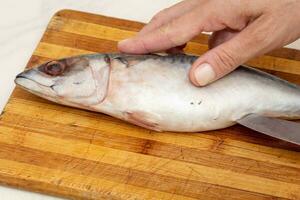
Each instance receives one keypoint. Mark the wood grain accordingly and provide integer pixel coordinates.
(78, 154)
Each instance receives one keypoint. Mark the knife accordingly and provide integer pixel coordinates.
(277, 128)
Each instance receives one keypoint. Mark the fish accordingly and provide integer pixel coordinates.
(154, 91)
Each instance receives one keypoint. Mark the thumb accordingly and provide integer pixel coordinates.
(235, 49)
(214, 64)
(216, 39)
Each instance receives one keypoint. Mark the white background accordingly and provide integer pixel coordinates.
(22, 24)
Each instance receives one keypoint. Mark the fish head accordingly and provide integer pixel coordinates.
(77, 81)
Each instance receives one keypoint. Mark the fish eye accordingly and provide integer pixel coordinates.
(54, 68)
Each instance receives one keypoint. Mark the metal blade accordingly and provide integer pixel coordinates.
(277, 128)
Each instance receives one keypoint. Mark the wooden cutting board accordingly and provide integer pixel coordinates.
(58, 150)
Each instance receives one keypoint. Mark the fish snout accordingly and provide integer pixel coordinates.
(31, 80)
(25, 74)
(22, 75)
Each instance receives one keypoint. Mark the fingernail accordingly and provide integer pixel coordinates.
(204, 74)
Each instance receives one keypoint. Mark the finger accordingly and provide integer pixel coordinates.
(175, 33)
(225, 57)
(168, 14)
(220, 37)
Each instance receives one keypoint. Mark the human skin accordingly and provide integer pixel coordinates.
(242, 30)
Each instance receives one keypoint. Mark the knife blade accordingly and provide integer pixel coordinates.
(277, 128)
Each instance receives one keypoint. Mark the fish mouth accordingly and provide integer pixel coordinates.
(21, 76)
(31, 85)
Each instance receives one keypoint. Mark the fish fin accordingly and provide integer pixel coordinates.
(125, 61)
(143, 119)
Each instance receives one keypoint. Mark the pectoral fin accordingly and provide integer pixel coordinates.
(277, 128)
(143, 119)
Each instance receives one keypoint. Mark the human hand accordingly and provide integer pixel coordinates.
(242, 29)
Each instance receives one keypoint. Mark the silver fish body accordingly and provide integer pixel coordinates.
(154, 91)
